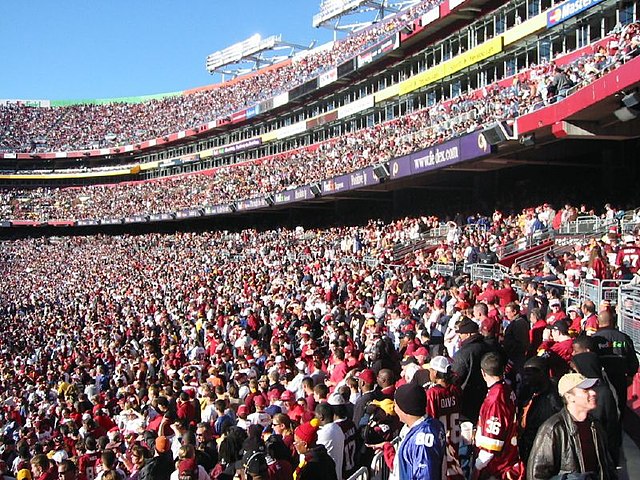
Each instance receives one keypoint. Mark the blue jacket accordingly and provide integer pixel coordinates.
(422, 451)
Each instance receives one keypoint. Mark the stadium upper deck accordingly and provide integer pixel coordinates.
(38, 127)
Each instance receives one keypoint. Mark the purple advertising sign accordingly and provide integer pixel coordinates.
(362, 178)
(336, 184)
(216, 209)
(449, 153)
(357, 179)
(474, 145)
(290, 196)
(400, 167)
(444, 154)
(252, 204)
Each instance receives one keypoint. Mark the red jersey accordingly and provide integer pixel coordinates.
(559, 355)
(497, 433)
(590, 324)
(628, 259)
(87, 466)
(443, 403)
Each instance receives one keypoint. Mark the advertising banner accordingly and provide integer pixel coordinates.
(253, 111)
(252, 204)
(328, 77)
(568, 9)
(26, 103)
(89, 222)
(379, 50)
(136, 219)
(281, 99)
(430, 16)
(335, 185)
(216, 209)
(162, 217)
(290, 196)
(236, 147)
(454, 151)
(362, 178)
(189, 213)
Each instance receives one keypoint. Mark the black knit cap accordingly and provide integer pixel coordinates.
(466, 325)
(411, 399)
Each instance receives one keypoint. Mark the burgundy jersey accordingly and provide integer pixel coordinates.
(443, 403)
(87, 466)
(497, 433)
(628, 259)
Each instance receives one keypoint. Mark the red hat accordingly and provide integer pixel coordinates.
(462, 305)
(367, 376)
(421, 352)
(273, 394)
(259, 400)
(286, 396)
(242, 409)
(187, 465)
(308, 432)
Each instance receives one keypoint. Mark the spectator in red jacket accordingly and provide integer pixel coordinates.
(557, 347)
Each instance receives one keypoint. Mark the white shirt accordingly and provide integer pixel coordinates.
(332, 437)
(259, 418)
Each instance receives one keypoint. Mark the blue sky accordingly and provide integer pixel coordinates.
(74, 49)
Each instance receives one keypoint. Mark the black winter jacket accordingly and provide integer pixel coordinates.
(466, 367)
(557, 450)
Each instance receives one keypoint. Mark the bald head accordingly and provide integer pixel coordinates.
(605, 319)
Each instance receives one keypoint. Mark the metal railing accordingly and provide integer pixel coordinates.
(361, 474)
(536, 258)
(440, 231)
(587, 225)
(629, 312)
(481, 271)
(630, 221)
(523, 243)
(444, 269)
(379, 468)
(599, 291)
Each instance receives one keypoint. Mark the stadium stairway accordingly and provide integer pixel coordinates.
(524, 247)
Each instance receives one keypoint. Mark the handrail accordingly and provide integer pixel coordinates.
(586, 225)
(361, 474)
(535, 258)
(481, 271)
(444, 269)
(629, 312)
(523, 243)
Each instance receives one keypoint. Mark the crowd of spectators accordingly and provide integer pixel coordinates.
(285, 353)
(87, 126)
(532, 89)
